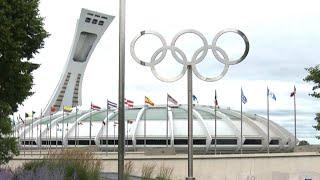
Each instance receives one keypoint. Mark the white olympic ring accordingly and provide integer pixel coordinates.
(217, 52)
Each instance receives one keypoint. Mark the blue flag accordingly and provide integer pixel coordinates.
(271, 94)
(194, 98)
(243, 97)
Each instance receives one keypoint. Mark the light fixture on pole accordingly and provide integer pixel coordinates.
(189, 67)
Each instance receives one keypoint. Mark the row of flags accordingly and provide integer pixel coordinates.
(148, 101)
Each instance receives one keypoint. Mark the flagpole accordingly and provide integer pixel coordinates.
(144, 127)
(127, 142)
(24, 136)
(295, 117)
(241, 126)
(90, 125)
(57, 135)
(31, 133)
(114, 136)
(37, 130)
(107, 128)
(167, 123)
(40, 132)
(268, 120)
(215, 123)
(62, 138)
(50, 133)
(76, 126)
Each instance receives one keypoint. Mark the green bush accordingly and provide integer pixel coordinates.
(165, 173)
(77, 163)
(147, 171)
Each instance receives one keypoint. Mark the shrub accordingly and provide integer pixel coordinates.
(128, 169)
(303, 143)
(165, 173)
(77, 163)
(147, 171)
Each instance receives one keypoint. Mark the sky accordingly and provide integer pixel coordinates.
(284, 40)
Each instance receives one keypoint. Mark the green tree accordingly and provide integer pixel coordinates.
(314, 76)
(21, 35)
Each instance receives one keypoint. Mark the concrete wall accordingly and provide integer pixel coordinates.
(282, 166)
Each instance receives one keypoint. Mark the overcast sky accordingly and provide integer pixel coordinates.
(284, 39)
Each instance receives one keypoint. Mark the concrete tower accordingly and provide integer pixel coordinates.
(90, 27)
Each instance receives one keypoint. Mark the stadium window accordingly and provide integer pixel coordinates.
(88, 20)
(101, 23)
(252, 141)
(180, 141)
(199, 141)
(94, 21)
(225, 141)
(274, 142)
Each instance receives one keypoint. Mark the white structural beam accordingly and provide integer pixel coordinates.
(80, 119)
(135, 126)
(227, 120)
(170, 115)
(100, 133)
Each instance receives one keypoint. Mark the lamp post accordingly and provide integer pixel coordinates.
(189, 67)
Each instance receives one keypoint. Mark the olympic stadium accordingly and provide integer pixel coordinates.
(146, 127)
(73, 129)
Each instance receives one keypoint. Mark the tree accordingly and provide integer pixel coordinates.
(21, 35)
(314, 76)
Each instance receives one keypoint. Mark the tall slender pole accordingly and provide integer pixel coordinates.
(268, 120)
(145, 127)
(107, 129)
(24, 136)
(50, 134)
(31, 141)
(62, 138)
(90, 125)
(127, 142)
(76, 128)
(190, 126)
(215, 123)
(122, 14)
(167, 123)
(114, 137)
(40, 132)
(295, 117)
(241, 128)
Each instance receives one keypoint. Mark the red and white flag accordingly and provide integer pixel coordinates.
(294, 92)
(128, 103)
(95, 107)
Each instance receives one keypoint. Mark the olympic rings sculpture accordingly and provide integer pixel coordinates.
(196, 58)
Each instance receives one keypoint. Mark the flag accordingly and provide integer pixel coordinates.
(294, 92)
(111, 104)
(128, 102)
(53, 109)
(104, 123)
(67, 108)
(148, 101)
(271, 94)
(172, 100)
(215, 98)
(95, 107)
(194, 98)
(243, 97)
(21, 119)
(26, 115)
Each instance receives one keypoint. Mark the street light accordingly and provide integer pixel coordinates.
(189, 66)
